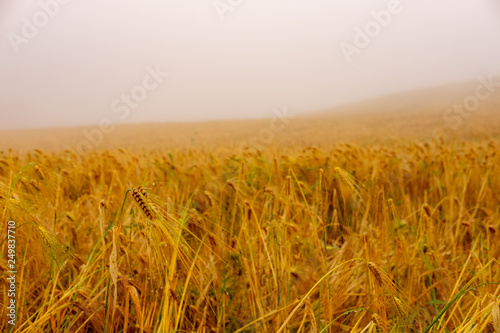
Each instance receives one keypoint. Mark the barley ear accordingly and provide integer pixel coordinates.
(288, 186)
(392, 210)
(495, 317)
(141, 197)
(113, 270)
(376, 273)
(137, 304)
(381, 323)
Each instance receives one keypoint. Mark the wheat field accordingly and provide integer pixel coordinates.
(343, 237)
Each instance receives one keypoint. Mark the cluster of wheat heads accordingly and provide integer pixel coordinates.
(349, 238)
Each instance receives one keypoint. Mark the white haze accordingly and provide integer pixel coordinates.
(263, 55)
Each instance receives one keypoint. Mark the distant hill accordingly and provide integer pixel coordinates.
(424, 110)
(431, 99)
(420, 114)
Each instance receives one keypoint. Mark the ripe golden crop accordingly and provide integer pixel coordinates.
(396, 237)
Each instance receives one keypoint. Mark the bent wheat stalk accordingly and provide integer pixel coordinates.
(304, 298)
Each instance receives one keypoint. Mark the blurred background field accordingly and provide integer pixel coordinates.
(362, 222)
(419, 114)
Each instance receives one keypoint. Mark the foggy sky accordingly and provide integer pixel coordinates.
(262, 55)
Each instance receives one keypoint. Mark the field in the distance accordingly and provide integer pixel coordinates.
(363, 222)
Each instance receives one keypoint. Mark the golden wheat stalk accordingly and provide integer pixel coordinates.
(383, 280)
(56, 251)
(399, 306)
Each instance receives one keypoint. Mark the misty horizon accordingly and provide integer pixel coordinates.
(75, 63)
